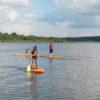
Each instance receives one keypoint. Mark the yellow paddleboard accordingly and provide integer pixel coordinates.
(43, 56)
(27, 54)
(53, 57)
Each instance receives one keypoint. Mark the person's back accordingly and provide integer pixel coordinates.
(34, 52)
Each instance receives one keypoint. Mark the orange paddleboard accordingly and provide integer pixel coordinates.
(35, 70)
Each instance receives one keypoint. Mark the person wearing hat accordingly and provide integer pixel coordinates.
(34, 57)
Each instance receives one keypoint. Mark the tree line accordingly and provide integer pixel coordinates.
(14, 37)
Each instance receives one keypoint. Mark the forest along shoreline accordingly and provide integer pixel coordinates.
(14, 37)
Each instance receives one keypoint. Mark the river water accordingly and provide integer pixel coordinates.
(76, 77)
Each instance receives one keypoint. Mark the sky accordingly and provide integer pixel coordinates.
(56, 18)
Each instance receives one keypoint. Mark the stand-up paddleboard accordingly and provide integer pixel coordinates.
(53, 57)
(43, 56)
(35, 70)
(24, 54)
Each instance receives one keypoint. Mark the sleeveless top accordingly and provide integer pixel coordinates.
(51, 45)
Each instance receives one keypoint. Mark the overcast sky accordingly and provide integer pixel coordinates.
(60, 18)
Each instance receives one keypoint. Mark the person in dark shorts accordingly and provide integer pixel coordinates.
(34, 57)
(51, 48)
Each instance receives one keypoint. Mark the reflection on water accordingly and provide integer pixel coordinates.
(33, 85)
(51, 62)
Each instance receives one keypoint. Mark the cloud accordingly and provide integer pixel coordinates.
(74, 4)
(13, 15)
(16, 17)
(80, 13)
(19, 28)
(15, 3)
(52, 18)
(86, 21)
(9, 13)
(27, 19)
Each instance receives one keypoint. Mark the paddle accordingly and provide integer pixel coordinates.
(29, 65)
(28, 68)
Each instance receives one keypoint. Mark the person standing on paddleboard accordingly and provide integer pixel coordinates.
(34, 57)
(51, 48)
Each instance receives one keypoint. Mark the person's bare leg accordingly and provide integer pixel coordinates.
(50, 54)
(36, 62)
(32, 63)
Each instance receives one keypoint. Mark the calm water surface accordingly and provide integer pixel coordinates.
(76, 77)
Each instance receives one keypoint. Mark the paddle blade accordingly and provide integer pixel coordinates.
(29, 68)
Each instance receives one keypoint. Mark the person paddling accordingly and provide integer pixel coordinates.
(27, 51)
(34, 57)
(51, 46)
